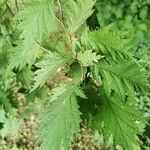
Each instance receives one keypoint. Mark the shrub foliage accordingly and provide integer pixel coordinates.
(46, 38)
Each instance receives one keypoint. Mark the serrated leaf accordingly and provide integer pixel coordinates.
(48, 67)
(25, 76)
(5, 100)
(88, 106)
(19, 57)
(107, 40)
(120, 120)
(61, 119)
(88, 58)
(76, 12)
(36, 20)
(11, 127)
(121, 76)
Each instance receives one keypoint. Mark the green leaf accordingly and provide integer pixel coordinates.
(61, 119)
(88, 58)
(76, 12)
(25, 76)
(106, 40)
(40, 94)
(121, 76)
(48, 67)
(88, 106)
(143, 12)
(36, 20)
(19, 57)
(5, 100)
(11, 127)
(2, 115)
(4, 52)
(120, 120)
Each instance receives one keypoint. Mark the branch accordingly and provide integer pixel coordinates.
(16, 4)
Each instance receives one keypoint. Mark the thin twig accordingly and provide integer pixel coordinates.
(16, 4)
(60, 19)
(82, 73)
